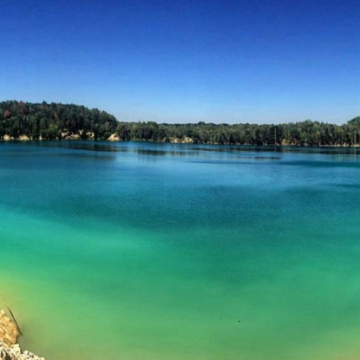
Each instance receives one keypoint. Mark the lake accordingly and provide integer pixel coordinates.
(166, 251)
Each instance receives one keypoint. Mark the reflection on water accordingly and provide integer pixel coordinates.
(194, 153)
(169, 149)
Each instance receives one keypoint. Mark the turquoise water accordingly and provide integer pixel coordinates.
(157, 251)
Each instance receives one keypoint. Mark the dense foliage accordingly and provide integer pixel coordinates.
(52, 121)
(59, 121)
(311, 133)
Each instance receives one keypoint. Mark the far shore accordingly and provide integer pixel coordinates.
(188, 141)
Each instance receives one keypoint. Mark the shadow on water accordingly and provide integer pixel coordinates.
(119, 146)
(213, 154)
(325, 164)
(346, 186)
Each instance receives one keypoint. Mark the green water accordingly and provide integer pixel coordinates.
(155, 251)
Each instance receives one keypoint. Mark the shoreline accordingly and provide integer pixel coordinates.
(9, 335)
(180, 142)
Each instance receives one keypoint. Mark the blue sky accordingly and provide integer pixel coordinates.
(186, 61)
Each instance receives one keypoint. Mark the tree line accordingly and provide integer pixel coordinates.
(305, 133)
(59, 121)
(53, 121)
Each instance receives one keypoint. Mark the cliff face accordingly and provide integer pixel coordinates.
(9, 334)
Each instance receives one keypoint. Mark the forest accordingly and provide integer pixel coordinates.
(53, 121)
(44, 121)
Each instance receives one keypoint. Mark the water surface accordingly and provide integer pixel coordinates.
(168, 251)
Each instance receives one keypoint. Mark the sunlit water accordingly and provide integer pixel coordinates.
(156, 251)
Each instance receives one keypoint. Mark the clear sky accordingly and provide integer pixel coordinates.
(186, 61)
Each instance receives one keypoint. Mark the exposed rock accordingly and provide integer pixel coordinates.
(64, 134)
(24, 138)
(113, 137)
(7, 137)
(9, 332)
(187, 140)
(14, 352)
(9, 349)
(90, 135)
(73, 137)
(184, 140)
